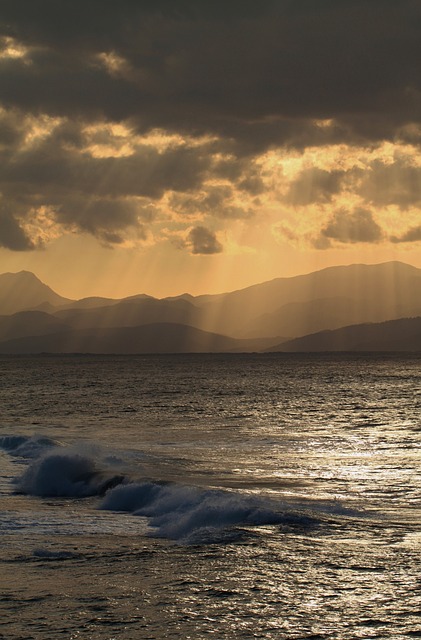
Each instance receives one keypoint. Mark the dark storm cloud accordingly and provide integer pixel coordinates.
(398, 183)
(203, 241)
(412, 235)
(350, 227)
(103, 196)
(11, 131)
(147, 172)
(314, 185)
(212, 201)
(12, 235)
(256, 73)
(251, 76)
(104, 218)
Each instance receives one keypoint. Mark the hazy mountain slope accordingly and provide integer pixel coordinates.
(153, 338)
(132, 313)
(29, 323)
(90, 303)
(385, 291)
(95, 302)
(22, 291)
(395, 335)
(301, 318)
(326, 299)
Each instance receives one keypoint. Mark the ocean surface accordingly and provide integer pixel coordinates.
(210, 496)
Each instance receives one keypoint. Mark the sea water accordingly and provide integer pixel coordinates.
(210, 496)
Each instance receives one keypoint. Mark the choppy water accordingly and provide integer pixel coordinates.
(241, 496)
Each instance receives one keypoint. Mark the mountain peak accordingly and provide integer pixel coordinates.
(23, 290)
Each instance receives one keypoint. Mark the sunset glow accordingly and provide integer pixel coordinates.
(162, 177)
(210, 319)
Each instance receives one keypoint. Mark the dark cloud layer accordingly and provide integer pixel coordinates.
(350, 227)
(258, 73)
(203, 241)
(103, 196)
(250, 76)
(398, 183)
(412, 235)
(314, 185)
(11, 235)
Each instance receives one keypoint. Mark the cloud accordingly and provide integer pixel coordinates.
(12, 235)
(396, 183)
(115, 116)
(84, 180)
(258, 75)
(412, 235)
(107, 219)
(146, 172)
(350, 227)
(203, 241)
(314, 185)
(212, 201)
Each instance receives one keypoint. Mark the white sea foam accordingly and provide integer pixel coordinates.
(173, 510)
(176, 511)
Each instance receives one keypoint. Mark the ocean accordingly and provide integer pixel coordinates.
(270, 496)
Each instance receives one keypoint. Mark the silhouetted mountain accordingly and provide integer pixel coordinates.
(395, 335)
(377, 292)
(132, 312)
(23, 291)
(89, 303)
(302, 318)
(29, 323)
(95, 302)
(152, 338)
(294, 307)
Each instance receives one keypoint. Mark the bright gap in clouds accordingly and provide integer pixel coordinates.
(163, 213)
(207, 148)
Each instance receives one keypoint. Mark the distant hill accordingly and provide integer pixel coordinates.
(29, 323)
(395, 335)
(89, 303)
(376, 292)
(132, 312)
(152, 338)
(301, 318)
(289, 307)
(94, 302)
(23, 291)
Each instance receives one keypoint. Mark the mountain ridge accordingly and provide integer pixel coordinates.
(403, 334)
(296, 307)
(150, 338)
(23, 291)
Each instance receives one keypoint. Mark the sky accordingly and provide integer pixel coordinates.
(170, 146)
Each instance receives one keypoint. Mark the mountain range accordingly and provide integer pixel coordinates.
(347, 308)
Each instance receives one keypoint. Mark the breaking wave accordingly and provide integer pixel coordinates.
(27, 446)
(66, 474)
(172, 510)
(176, 511)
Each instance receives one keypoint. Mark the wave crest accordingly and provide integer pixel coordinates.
(177, 512)
(66, 474)
(26, 446)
